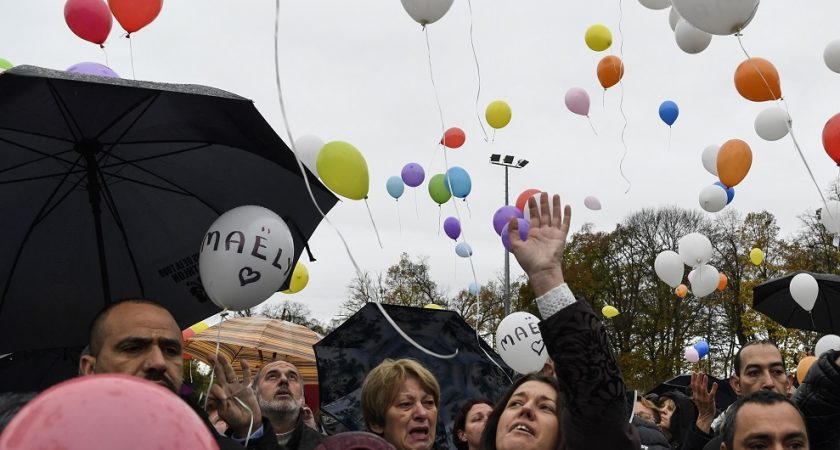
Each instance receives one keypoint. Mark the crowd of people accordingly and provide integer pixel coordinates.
(579, 402)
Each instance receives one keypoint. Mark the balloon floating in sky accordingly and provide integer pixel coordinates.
(804, 290)
(702, 348)
(609, 311)
(452, 227)
(463, 250)
(425, 12)
(695, 249)
(610, 70)
(453, 138)
(691, 355)
(721, 17)
(523, 198)
(730, 192)
(709, 158)
(723, 282)
(733, 162)
(458, 182)
(299, 279)
(498, 114)
(598, 38)
(344, 170)
(831, 55)
(655, 4)
(5, 65)
(772, 124)
(713, 198)
(803, 367)
(308, 147)
(91, 20)
(502, 216)
(830, 216)
(92, 68)
(592, 202)
(756, 79)
(668, 112)
(690, 39)
(395, 187)
(681, 291)
(135, 14)
(756, 256)
(438, 190)
(831, 138)
(669, 267)
(524, 226)
(826, 343)
(433, 306)
(577, 100)
(474, 288)
(673, 18)
(413, 174)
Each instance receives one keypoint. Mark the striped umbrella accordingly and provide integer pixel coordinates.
(258, 340)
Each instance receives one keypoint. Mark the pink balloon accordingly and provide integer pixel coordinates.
(89, 19)
(577, 100)
(592, 203)
(691, 355)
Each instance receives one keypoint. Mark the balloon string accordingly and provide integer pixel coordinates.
(477, 71)
(670, 129)
(251, 425)
(604, 99)
(621, 101)
(367, 205)
(215, 356)
(191, 371)
(591, 125)
(131, 56)
(469, 211)
(494, 136)
(416, 210)
(105, 52)
(399, 218)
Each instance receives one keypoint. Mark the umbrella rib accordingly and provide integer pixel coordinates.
(65, 112)
(35, 221)
(45, 155)
(35, 133)
(147, 158)
(150, 101)
(112, 207)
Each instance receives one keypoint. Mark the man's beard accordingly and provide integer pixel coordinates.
(280, 407)
(162, 376)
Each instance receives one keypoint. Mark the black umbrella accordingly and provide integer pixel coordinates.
(39, 369)
(107, 187)
(724, 397)
(774, 300)
(346, 355)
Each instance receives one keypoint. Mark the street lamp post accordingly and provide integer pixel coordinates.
(507, 163)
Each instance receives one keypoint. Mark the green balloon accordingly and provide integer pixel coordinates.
(5, 64)
(437, 189)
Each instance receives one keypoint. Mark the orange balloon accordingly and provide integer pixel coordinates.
(756, 79)
(135, 14)
(722, 282)
(802, 369)
(681, 291)
(733, 162)
(610, 71)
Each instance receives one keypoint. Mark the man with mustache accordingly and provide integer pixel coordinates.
(141, 338)
(279, 388)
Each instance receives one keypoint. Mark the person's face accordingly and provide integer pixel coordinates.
(778, 426)
(666, 411)
(280, 388)
(474, 424)
(761, 368)
(141, 340)
(529, 420)
(411, 418)
(644, 412)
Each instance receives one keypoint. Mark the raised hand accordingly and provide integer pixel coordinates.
(226, 393)
(541, 254)
(704, 400)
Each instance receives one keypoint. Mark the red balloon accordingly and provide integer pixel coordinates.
(453, 138)
(135, 14)
(89, 19)
(831, 138)
(523, 198)
(107, 411)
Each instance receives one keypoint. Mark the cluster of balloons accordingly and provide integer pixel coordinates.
(610, 69)
(92, 20)
(730, 163)
(695, 251)
(804, 289)
(697, 351)
(520, 344)
(720, 17)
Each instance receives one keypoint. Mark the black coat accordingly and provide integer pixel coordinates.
(650, 435)
(682, 419)
(818, 397)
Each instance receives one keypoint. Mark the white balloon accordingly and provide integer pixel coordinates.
(713, 198)
(710, 159)
(527, 211)
(673, 18)
(772, 124)
(826, 343)
(704, 281)
(690, 39)
(592, 203)
(691, 275)
(307, 147)
(694, 249)
(245, 257)
(830, 216)
(723, 17)
(463, 250)
(831, 55)
(669, 268)
(655, 4)
(804, 290)
(520, 344)
(426, 11)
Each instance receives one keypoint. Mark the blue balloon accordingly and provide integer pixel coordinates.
(460, 181)
(730, 192)
(702, 348)
(395, 186)
(668, 112)
(463, 250)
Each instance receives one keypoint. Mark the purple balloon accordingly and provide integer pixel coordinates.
(503, 215)
(524, 226)
(452, 227)
(413, 175)
(92, 68)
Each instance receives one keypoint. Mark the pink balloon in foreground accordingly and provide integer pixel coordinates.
(89, 19)
(107, 411)
(592, 203)
(577, 100)
(691, 355)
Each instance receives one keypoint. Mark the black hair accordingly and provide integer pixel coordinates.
(761, 397)
(10, 404)
(97, 327)
(460, 423)
(488, 437)
(737, 362)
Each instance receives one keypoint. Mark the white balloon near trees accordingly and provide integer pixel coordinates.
(695, 249)
(709, 159)
(307, 147)
(690, 39)
(826, 343)
(772, 124)
(722, 17)
(830, 216)
(520, 343)
(804, 290)
(704, 281)
(669, 268)
(713, 198)
(831, 55)
(425, 12)
(655, 4)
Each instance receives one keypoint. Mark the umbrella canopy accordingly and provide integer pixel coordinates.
(774, 300)
(724, 397)
(258, 340)
(107, 187)
(346, 355)
(39, 369)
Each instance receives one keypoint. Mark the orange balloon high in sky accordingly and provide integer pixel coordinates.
(733, 162)
(135, 14)
(756, 79)
(610, 71)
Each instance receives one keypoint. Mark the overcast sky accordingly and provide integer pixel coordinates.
(359, 72)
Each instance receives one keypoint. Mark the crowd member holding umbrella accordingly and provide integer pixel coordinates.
(533, 413)
(470, 422)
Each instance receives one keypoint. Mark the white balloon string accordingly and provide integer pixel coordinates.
(670, 129)
(437, 101)
(494, 136)
(105, 52)
(191, 371)
(478, 72)
(399, 218)
(591, 125)
(416, 210)
(375, 230)
(251, 425)
(621, 100)
(469, 211)
(215, 356)
(131, 56)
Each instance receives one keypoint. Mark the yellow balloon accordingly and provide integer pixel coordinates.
(498, 114)
(344, 170)
(433, 306)
(199, 327)
(300, 278)
(756, 256)
(609, 311)
(598, 38)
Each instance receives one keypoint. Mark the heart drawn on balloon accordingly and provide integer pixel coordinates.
(248, 276)
(538, 347)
